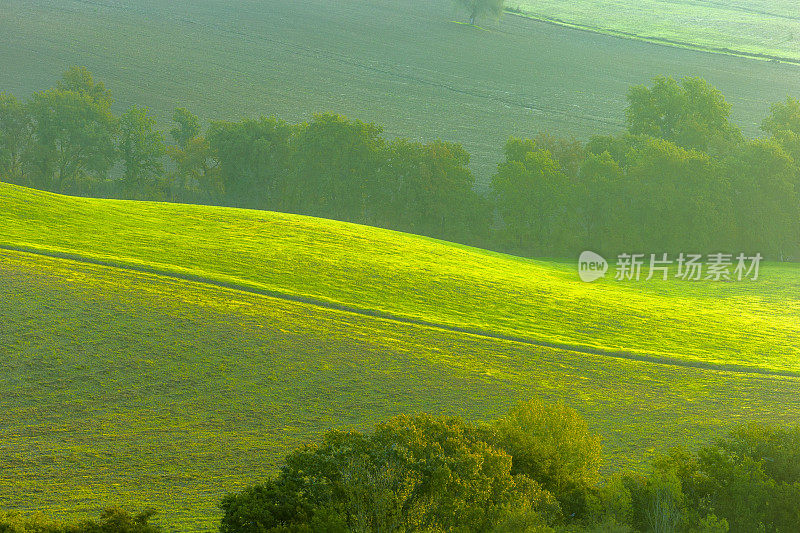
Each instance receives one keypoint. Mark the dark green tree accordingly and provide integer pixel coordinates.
(16, 129)
(480, 8)
(552, 445)
(116, 520)
(112, 520)
(428, 189)
(569, 153)
(783, 116)
(531, 193)
(187, 127)
(692, 113)
(766, 204)
(601, 196)
(413, 473)
(335, 165)
(197, 169)
(141, 147)
(674, 199)
(783, 124)
(750, 479)
(254, 162)
(80, 80)
(74, 136)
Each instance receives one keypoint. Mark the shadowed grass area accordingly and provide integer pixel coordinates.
(750, 323)
(130, 388)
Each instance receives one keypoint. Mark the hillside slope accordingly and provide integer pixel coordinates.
(128, 388)
(754, 325)
(184, 366)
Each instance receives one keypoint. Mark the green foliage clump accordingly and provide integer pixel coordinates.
(413, 473)
(187, 126)
(553, 446)
(534, 470)
(682, 178)
(112, 520)
(254, 162)
(335, 168)
(691, 113)
(141, 148)
(532, 195)
(74, 137)
(16, 129)
(335, 161)
(748, 481)
(480, 8)
(428, 189)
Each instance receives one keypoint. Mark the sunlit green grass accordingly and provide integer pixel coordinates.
(128, 388)
(748, 323)
(769, 27)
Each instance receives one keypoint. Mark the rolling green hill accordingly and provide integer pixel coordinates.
(167, 354)
(401, 64)
(415, 278)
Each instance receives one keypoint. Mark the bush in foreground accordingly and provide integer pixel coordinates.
(537, 469)
(421, 473)
(112, 520)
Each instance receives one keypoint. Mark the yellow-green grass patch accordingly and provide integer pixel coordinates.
(123, 387)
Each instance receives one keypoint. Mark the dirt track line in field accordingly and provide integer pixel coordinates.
(384, 315)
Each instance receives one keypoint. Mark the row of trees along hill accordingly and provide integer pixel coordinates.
(535, 470)
(681, 178)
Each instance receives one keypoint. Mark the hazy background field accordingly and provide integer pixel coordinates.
(403, 64)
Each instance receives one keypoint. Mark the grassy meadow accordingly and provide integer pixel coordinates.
(402, 64)
(750, 324)
(752, 27)
(122, 387)
(165, 354)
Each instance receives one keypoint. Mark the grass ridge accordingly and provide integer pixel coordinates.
(662, 41)
(259, 289)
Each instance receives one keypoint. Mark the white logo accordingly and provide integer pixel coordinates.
(591, 266)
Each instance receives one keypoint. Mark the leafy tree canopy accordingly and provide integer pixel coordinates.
(480, 8)
(691, 113)
(80, 80)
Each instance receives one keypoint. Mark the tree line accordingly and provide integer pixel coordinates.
(681, 177)
(535, 470)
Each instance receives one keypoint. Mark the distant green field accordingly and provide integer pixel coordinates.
(142, 388)
(400, 63)
(768, 27)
